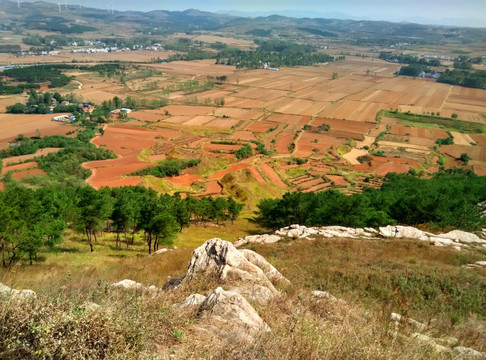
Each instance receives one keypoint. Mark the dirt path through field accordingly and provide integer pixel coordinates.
(353, 155)
(447, 97)
(80, 85)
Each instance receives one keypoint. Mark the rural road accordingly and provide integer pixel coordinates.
(80, 85)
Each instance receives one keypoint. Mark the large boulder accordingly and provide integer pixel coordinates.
(406, 232)
(230, 311)
(268, 269)
(462, 237)
(248, 272)
(192, 300)
(7, 292)
(258, 239)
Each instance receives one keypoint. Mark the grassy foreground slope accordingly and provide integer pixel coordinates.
(371, 279)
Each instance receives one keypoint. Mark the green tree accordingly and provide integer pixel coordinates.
(93, 209)
(234, 209)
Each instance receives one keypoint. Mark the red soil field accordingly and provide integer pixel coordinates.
(232, 168)
(109, 172)
(221, 147)
(419, 132)
(310, 183)
(148, 115)
(338, 124)
(188, 110)
(338, 180)
(27, 165)
(221, 123)
(20, 175)
(260, 127)
(2, 186)
(390, 167)
(289, 119)
(306, 144)
(243, 135)
(127, 142)
(345, 134)
(479, 139)
(474, 152)
(272, 175)
(256, 175)
(213, 188)
(318, 187)
(184, 180)
(480, 170)
(283, 141)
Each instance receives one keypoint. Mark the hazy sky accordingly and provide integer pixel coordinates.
(395, 10)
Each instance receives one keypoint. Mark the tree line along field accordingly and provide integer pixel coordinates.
(328, 115)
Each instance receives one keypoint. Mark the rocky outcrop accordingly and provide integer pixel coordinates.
(258, 239)
(455, 238)
(270, 272)
(192, 300)
(14, 294)
(230, 311)
(245, 271)
(247, 276)
(446, 345)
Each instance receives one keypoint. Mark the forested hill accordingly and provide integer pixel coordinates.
(77, 19)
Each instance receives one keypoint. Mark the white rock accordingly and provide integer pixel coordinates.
(438, 241)
(294, 233)
(127, 285)
(462, 237)
(324, 295)
(21, 295)
(221, 258)
(468, 353)
(407, 232)
(192, 300)
(480, 263)
(413, 323)
(90, 306)
(427, 340)
(268, 269)
(160, 251)
(229, 308)
(259, 239)
(241, 268)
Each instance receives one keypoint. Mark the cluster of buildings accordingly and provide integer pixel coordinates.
(106, 49)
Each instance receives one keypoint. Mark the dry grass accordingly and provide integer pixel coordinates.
(134, 325)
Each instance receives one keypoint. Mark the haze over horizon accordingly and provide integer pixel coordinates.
(434, 12)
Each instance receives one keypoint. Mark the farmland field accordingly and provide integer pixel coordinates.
(328, 115)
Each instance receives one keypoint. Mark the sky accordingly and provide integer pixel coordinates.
(447, 12)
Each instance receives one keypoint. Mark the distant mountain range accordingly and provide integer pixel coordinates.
(46, 16)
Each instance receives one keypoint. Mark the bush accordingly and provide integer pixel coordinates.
(244, 152)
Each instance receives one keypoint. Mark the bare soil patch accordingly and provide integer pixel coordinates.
(232, 168)
(21, 175)
(338, 180)
(184, 180)
(390, 167)
(20, 158)
(283, 141)
(12, 125)
(27, 165)
(272, 175)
